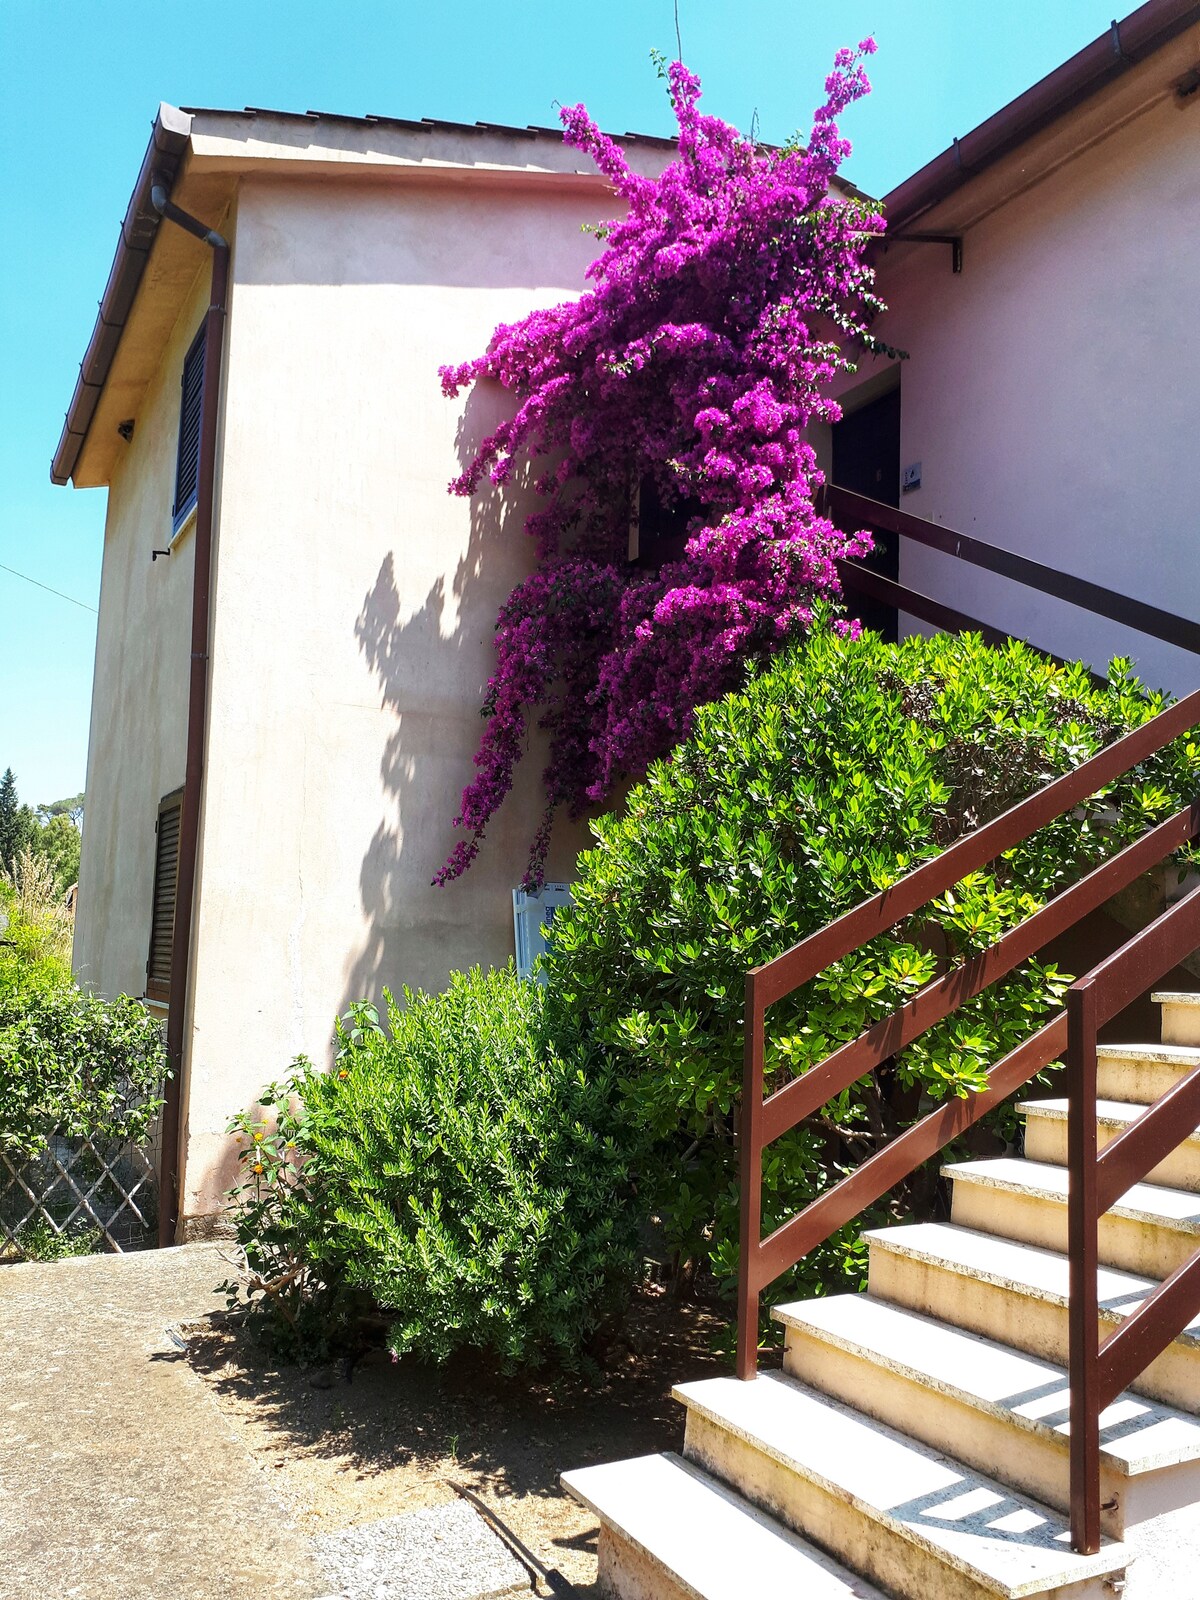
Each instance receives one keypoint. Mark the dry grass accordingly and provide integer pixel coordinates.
(38, 911)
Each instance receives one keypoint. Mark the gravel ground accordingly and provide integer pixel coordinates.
(444, 1552)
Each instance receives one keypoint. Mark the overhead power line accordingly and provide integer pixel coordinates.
(83, 605)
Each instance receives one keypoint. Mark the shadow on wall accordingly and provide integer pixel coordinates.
(433, 664)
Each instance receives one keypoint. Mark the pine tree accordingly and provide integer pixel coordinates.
(14, 821)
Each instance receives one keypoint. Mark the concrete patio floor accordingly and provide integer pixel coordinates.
(119, 1480)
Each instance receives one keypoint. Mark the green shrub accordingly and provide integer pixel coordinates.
(38, 1241)
(837, 770)
(459, 1167)
(77, 1065)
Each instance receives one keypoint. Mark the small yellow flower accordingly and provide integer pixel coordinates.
(258, 1166)
(343, 1073)
(259, 1137)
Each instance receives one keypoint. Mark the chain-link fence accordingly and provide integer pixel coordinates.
(78, 1194)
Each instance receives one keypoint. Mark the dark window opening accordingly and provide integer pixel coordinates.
(162, 914)
(662, 530)
(187, 460)
(866, 460)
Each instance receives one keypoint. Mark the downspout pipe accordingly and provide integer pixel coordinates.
(197, 714)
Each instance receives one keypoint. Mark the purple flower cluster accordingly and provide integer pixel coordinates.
(718, 314)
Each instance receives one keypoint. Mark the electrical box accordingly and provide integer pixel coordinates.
(533, 916)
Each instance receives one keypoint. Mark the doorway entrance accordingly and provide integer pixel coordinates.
(866, 460)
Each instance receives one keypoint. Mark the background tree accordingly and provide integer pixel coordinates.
(16, 822)
(71, 807)
(57, 841)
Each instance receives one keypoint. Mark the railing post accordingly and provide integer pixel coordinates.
(750, 1218)
(1083, 1222)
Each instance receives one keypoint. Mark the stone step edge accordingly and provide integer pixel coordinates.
(792, 1316)
(1112, 1558)
(1169, 1055)
(886, 1238)
(1109, 1114)
(718, 1509)
(970, 1172)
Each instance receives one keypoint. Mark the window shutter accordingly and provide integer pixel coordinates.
(162, 915)
(191, 405)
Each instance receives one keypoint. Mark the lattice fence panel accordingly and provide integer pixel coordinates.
(104, 1188)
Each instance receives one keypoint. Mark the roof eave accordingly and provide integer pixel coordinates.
(169, 138)
(1124, 45)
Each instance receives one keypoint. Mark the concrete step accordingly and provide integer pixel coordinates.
(995, 1408)
(1017, 1294)
(1151, 1229)
(1140, 1073)
(668, 1532)
(909, 1518)
(1180, 1016)
(1046, 1139)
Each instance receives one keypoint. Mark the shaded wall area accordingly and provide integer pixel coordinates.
(138, 728)
(355, 608)
(1049, 391)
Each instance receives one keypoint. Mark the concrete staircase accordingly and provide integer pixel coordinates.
(915, 1443)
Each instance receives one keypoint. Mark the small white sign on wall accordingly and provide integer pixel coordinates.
(910, 478)
(533, 914)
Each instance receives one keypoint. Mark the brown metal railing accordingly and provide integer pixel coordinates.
(1097, 1372)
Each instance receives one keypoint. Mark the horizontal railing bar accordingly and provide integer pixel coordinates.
(806, 1094)
(890, 593)
(1140, 1147)
(1146, 956)
(1094, 597)
(1146, 1332)
(779, 977)
(882, 1171)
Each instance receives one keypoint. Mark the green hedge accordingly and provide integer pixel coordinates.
(460, 1168)
(76, 1065)
(837, 770)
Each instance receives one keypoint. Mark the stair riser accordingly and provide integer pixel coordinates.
(1125, 1242)
(874, 1549)
(1010, 1316)
(1137, 1082)
(626, 1572)
(1046, 1140)
(1180, 1023)
(1028, 1462)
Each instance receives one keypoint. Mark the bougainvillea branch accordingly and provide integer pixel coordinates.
(722, 306)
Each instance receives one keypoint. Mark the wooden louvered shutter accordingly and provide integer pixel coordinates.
(162, 918)
(187, 461)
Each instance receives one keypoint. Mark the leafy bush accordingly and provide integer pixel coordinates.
(77, 1065)
(37, 1241)
(836, 771)
(459, 1166)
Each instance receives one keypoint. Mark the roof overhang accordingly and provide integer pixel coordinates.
(203, 155)
(1136, 63)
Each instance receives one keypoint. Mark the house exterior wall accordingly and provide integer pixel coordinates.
(1051, 391)
(136, 743)
(353, 620)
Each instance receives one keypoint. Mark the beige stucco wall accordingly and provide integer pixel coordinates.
(355, 606)
(1051, 390)
(139, 696)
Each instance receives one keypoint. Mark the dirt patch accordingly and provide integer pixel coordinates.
(371, 1437)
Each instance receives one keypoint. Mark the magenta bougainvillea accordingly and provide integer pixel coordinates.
(725, 301)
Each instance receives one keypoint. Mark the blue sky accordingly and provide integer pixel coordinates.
(79, 84)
